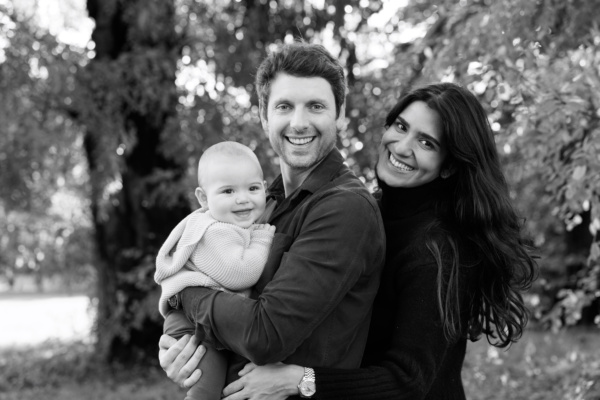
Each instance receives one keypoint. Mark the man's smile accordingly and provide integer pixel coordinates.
(299, 141)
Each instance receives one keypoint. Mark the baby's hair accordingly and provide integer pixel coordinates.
(228, 148)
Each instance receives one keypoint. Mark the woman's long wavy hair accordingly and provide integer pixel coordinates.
(478, 214)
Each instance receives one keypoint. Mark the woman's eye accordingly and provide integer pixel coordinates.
(427, 144)
(400, 127)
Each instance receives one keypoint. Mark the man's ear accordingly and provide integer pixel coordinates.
(340, 122)
(201, 196)
(263, 118)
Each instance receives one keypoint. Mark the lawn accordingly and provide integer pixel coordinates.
(542, 365)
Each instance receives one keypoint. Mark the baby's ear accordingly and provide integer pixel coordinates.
(201, 196)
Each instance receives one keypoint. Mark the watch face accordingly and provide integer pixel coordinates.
(307, 389)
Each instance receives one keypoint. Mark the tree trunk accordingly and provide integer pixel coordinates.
(135, 45)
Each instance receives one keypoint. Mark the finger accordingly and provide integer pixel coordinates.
(233, 387)
(193, 379)
(166, 342)
(181, 368)
(167, 358)
(247, 368)
(192, 364)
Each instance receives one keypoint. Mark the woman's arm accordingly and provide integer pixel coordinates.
(268, 382)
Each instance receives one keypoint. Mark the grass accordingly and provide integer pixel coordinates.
(542, 365)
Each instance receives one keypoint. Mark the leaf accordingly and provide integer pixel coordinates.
(579, 172)
(594, 251)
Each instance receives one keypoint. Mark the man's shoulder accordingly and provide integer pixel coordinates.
(348, 190)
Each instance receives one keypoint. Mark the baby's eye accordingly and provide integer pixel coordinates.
(228, 191)
(254, 188)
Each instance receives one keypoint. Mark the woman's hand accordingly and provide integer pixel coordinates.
(180, 359)
(270, 382)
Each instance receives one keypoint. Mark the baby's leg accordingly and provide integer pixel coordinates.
(213, 364)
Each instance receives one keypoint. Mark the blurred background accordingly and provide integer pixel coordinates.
(106, 105)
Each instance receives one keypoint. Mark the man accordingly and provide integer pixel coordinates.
(314, 297)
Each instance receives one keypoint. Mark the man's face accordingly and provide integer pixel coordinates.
(300, 120)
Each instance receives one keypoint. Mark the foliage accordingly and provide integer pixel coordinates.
(43, 186)
(102, 142)
(542, 365)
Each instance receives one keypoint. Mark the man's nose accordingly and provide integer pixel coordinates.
(299, 121)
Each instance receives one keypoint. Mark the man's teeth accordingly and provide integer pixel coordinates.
(399, 165)
(300, 141)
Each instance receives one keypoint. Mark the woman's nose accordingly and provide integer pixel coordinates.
(403, 146)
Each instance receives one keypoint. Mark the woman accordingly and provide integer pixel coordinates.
(455, 266)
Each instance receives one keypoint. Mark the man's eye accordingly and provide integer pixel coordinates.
(318, 107)
(283, 107)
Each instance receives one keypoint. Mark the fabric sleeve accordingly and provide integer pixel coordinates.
(341, 239)
(410, 365)
(232, 256)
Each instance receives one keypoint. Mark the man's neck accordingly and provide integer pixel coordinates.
(293, 177)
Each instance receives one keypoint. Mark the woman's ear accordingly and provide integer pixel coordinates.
(201, 196)
(447, 171)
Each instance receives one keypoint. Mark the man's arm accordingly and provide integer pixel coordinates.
(341, 242)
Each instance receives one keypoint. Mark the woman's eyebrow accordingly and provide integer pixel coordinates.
(403, 121)
(430, 138)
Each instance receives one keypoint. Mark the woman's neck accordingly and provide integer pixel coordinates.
(400, 202)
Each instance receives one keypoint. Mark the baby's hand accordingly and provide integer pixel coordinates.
(265, 227)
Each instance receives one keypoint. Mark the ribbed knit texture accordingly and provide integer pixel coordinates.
(202, 251)
(407, 355)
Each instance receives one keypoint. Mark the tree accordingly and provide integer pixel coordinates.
(143, 134)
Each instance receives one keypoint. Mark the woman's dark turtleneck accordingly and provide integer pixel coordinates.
(400, 202)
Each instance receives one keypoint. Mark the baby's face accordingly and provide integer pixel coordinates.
(235, 191)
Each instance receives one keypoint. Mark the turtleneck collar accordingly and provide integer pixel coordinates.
(400, 202)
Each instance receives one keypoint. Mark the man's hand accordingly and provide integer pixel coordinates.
(180, 359)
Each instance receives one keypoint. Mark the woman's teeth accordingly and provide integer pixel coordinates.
(399, 164)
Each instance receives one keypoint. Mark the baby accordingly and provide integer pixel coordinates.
(217, 246)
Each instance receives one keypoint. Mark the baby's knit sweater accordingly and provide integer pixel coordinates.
(202, 251)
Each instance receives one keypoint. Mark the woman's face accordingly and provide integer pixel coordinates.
(412, 149)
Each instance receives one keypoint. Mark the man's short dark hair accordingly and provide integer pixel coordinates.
(303, 60)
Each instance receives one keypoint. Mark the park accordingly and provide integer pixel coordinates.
(106, 105)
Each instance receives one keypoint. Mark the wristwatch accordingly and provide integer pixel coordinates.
(174, 301)
(307, 386)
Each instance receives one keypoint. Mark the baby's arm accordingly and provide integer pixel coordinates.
(234, 258)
